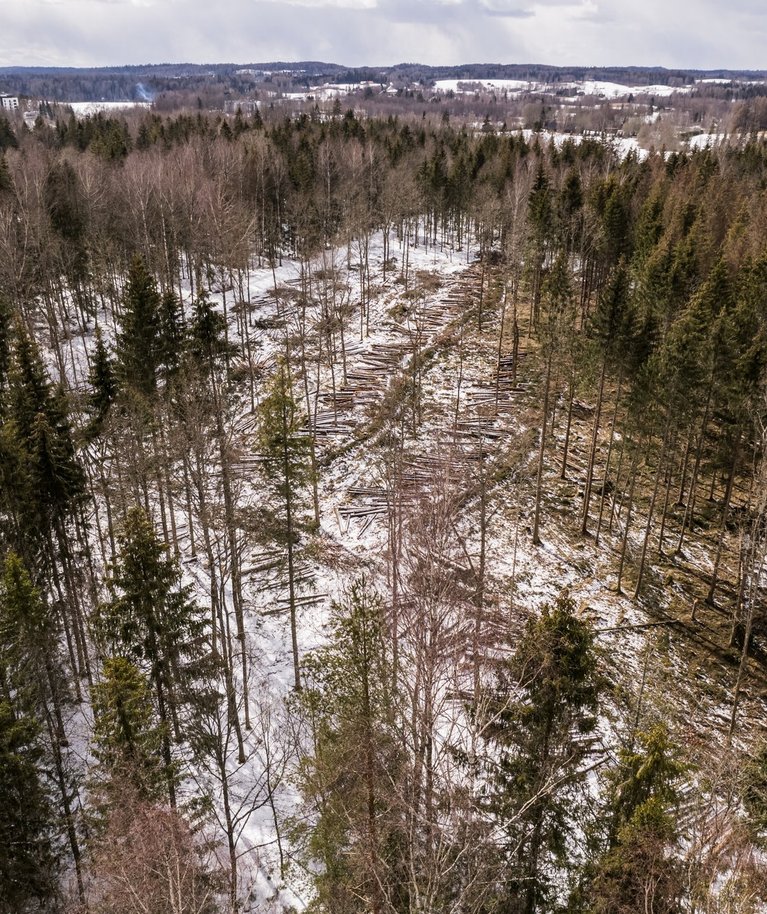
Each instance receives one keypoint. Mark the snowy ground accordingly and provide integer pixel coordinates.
(598, 88)
(464, 407)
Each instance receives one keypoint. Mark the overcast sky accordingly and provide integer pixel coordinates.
(685, 33)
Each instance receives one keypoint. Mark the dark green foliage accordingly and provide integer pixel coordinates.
(282, 439)
(152, 621)
(42, 479)
(544, 713)
(634, 868)
(612, 324)
(348, 777)
(540, 206)
(151, 617)
(649, 771)
(5, 177)
(639, 873)
(649, 276)
(105, 136)
(6, 330)
(612, 203)
(27, 860)
(207, 336)
(127, 738)
(103, 380)
(29, 643)
(138, 344)
(7, 138)
(171, 335)
(65, 203)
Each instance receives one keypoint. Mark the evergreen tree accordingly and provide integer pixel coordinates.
(138, 346)
(207, 340)
(543, 716)
(27, 859)
(31, 676)
(611, 328)
(6, 327)
(285, 449)
(636, 870)
(103, 380)
(47, 479)
(755, 792)
(5, 177)
(541, 220)
(152, 620)
(649, 771)
(128, 741)
(348, 776)
(171, 335)
(29, 647)
(555, 328)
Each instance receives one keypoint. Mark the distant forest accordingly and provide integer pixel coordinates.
(119, 83)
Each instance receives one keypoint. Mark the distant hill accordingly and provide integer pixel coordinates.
(121, 83)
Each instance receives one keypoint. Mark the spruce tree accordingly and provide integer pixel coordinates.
(152, 621)
(128, 741)
(635, 870)
(543, 717)
(171, 335)
(27, 857)
(48, 479)
(29, 647)
(138, 343)
(31, 674)
(103, 381)
(349, 706)
(6, 329)
(285, 449)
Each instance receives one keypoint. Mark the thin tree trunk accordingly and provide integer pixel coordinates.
(541, 452)
(722, 528)
(593, 451)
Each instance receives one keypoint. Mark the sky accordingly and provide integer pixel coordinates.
(705, 34)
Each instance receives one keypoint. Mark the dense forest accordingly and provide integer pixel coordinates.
(383, 520)
(68, 84)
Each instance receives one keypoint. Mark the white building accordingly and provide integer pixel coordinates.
(9, 102)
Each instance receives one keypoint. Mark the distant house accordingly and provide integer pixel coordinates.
(8, 102)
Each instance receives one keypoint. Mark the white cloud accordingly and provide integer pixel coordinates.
(687, 33)
(334, 4)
